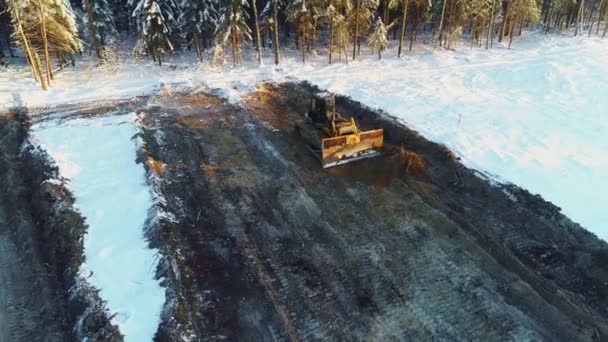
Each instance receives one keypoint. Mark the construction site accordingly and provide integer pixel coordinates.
(262, 236)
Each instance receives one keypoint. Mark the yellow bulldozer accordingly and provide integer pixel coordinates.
(334, 138)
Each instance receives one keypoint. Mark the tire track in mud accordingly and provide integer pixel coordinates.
(352, 253)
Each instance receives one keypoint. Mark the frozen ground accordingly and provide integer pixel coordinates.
(98, 157)
(533, 115)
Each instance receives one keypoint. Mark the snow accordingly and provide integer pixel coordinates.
(533, 115)
(98, 156)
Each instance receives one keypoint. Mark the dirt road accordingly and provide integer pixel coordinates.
(258, 242)
(263, 244)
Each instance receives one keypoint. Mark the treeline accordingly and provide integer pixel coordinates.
(52, 32)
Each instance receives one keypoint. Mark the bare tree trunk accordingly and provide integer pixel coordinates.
(601, 16)
(473, 33)
(93, 30)
(503, 27)
(30, 54)
(511, 29)
(579, 18)
(39, 68)
(590, 17)
(258, 46)
(45, 45)
(8, 45)
(415, 28)
(450, 17)
(491, 27)
(441, 22)
(233, 44)
(403, 26)
(275, 27)
(356, 35)
(605, 29)
(331, 38)
(303, 39)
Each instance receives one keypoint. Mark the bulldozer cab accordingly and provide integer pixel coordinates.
(322, 107)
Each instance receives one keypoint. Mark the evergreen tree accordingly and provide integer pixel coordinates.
(270, 17)
(198, 20)
(256, 28)
(404, 5)
(303, 15)
(360, 20)
(342, 37)
(155, 21)
(42, 26)
(520, 11)
(233, 30)
(378, 40)
(99, 20)
(334, 18)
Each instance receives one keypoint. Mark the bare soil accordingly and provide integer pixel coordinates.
(265, 245)
(259, 243)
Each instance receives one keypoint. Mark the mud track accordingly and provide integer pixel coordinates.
(260, 243)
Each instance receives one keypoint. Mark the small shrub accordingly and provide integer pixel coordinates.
(414, 163)
(449, 155)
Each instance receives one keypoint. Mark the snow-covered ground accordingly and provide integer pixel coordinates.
(535, 115)
(97, 155)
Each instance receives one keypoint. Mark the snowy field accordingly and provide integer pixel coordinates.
(98, 157)
(535, 115)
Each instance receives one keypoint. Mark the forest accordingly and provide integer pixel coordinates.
(52, 33)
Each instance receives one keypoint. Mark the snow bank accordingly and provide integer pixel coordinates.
(98, 156)
(535, 115)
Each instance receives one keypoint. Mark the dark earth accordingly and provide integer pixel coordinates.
(259, 243)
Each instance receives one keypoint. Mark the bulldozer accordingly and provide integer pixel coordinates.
(335, 139)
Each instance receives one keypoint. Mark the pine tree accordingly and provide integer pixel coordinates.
(42, 26)
(360, 19)
(256, 27)
(275, 29)
(156, 20)
(378, 40)
(198, 20)
(303, 15)
(270, 18)
(404, 4)
(519, 11)
(334, 18)
(99, 20)
(233, 30)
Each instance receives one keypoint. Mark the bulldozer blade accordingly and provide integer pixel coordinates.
(345, 149)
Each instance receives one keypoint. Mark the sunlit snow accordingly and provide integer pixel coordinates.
(98, 156)
(535, 115)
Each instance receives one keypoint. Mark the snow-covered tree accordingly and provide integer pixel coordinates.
(404, 7)
(99, 21)
(41, 27)
(232, 29)
(378, 40)
(198, 21)
(520, 11)
(360, 19)
(303, 15)
(156, 20)
(333, 15)
(270, 15)
(256, 30)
